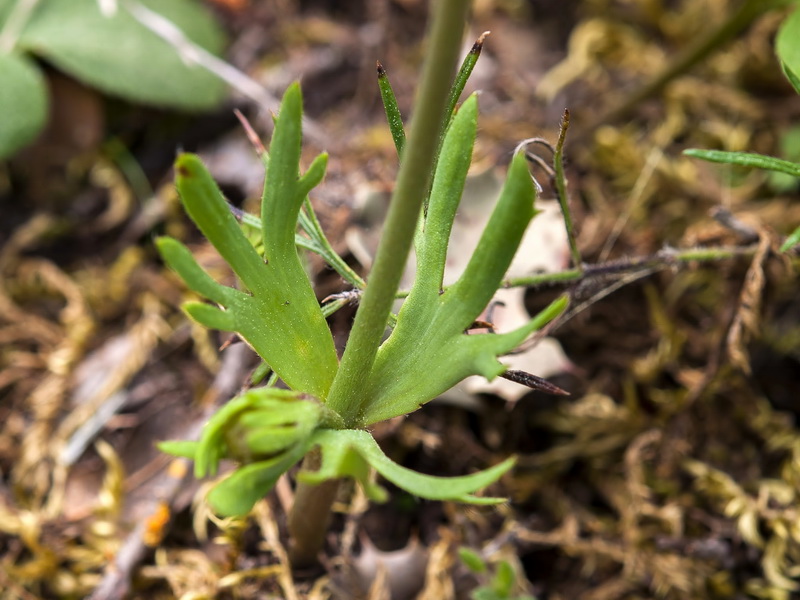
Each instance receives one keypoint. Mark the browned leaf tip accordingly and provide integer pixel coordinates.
(381, 70)
(534, 382)
(478, 45)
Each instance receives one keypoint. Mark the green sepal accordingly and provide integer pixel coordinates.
(345, 453)
(272, 428)
(209, 316)
(214, 445)
(179, 448)
(236, 494)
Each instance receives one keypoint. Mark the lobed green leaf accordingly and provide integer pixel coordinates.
(428, 351)
(340, 449)
(282, 319)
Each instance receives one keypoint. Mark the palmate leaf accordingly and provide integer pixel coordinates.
(280, 318)
(428, 351)
(347, 453)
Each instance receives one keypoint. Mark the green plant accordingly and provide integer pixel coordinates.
(324, 415)
(109, 45)
(787, 47)
(499, 578)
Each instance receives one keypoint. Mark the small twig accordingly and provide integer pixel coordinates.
(534, 382)
(725, 218)
(541, 163)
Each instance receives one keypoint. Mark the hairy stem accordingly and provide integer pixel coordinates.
(346, 394)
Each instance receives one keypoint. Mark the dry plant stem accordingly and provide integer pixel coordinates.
(738, 20)
(310, 516)
(346, 395)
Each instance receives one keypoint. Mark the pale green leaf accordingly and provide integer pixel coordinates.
(120, 56)
(23, 99)
(235, 495)
(787, 46)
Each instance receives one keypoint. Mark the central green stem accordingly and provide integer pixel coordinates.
(346, 395)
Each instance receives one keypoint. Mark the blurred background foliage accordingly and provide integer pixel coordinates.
(672, 471)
